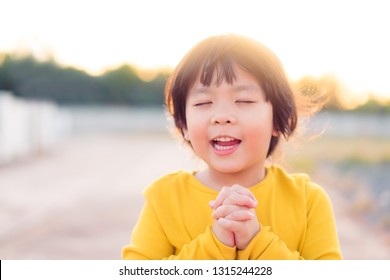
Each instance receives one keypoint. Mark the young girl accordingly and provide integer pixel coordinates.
(231, 102)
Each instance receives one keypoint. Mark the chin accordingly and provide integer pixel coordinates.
(228, 169)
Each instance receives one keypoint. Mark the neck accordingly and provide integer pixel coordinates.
(216, 180)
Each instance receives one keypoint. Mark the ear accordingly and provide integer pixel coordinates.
(275, 133)
(185, 135)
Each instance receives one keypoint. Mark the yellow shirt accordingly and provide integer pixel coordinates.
(295, 216)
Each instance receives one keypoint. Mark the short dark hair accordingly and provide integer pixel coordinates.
(219, 55)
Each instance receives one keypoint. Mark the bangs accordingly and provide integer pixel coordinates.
(214, 60)
(223, 69)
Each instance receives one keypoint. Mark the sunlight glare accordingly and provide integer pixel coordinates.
(310, 37)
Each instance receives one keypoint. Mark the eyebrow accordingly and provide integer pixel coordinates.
(200, 89)
(236, 88)
(249, 87)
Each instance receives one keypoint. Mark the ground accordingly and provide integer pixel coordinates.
(81, 200)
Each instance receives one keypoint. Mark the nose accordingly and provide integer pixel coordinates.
(223, 117)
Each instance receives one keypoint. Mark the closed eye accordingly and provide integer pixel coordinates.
(202, 103)
(245, 101)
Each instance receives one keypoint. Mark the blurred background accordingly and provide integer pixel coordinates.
(83, 128)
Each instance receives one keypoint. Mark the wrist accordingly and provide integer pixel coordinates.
(225, 236)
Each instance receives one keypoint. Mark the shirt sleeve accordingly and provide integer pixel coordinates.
(266, 245)
(149, 242)
(320, 241)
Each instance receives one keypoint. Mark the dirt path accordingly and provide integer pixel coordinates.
(82, 200)
(358, 239)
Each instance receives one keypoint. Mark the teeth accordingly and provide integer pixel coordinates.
(224, 139)
(222, 148)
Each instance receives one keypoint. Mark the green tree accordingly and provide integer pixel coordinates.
(28, 78)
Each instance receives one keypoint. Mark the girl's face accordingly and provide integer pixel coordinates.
(230, 125)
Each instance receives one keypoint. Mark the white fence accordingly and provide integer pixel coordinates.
(29, 127)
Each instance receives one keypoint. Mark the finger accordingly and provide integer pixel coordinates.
(225, 210)
(224, 223)
(242, 190)
(240, 215)
(227, 191)
(240, 200)
(229, 224)
(222, 195)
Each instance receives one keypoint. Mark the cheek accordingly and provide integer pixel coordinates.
(259, 140)
(196, 130)
(195, 125)
(260, 127)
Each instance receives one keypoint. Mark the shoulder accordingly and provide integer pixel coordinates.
(293, 180)
(169, 183)
(298, 183)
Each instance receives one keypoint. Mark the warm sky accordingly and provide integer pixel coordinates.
(349, 39)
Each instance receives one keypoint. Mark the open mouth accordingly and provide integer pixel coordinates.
(225, 143)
